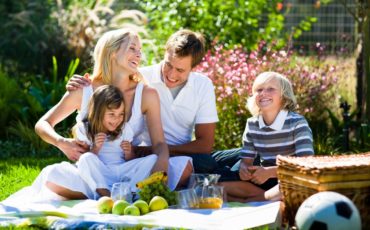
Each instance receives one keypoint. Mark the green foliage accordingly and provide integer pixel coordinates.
(83, 22)
(29, 36)
(229, 23)
(10, 97)
(16, 173)
(38, 96)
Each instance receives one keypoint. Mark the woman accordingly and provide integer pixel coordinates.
(116, 59)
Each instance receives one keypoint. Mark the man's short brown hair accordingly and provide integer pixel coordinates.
(186, 42)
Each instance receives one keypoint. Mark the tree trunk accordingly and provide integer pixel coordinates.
(366, 61)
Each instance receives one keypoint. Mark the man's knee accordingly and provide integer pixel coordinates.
(204, 163)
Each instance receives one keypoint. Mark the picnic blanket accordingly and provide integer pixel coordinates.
(83, 214)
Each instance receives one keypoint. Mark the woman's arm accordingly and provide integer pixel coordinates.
(69, 103)
(150, 106)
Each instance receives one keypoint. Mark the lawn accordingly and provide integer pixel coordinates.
(16, 173)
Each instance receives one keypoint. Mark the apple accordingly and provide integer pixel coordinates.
(105, 205)
(119, 207)
(143, 206)
(157, 203)
(132, 210)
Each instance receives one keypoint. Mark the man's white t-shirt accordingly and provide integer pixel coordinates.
(195, 104)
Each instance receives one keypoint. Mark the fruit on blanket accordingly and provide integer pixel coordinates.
(156, 176)
(158, 188)
(119, 207)
(105, 205)
(157, 203)
(132, 210)
(143, 206)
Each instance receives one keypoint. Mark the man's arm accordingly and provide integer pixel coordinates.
(203, 143)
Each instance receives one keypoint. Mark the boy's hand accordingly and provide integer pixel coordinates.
(98, 142)
(260, 174)
(78, 81)
(127, 150)
(244, 172)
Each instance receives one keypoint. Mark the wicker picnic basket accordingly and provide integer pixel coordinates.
(301, 177)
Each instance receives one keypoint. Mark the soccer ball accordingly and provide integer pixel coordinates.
(327, 211)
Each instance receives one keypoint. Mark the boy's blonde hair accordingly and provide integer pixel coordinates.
(106, 46)
(286, 92)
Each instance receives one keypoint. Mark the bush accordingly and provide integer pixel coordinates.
(231, 22)
(233, 72)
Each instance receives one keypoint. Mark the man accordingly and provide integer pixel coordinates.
(187, 100)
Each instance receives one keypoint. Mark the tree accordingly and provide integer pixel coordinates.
(361, 14)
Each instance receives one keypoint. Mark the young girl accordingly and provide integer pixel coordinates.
(275, 129)
(103, 130)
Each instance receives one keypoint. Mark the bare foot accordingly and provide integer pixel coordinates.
(103, 191)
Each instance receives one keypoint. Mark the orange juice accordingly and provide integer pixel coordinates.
(210, 202)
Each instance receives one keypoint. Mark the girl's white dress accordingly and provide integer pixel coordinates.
(69, 176)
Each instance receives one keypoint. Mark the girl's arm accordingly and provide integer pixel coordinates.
(150, 106)
(69, 103)
(128, 154)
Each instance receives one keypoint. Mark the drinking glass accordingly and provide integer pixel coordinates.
(212, 197)
(121, 191)
(187, 198)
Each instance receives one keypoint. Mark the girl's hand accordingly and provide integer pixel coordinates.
(72, 148)
(99, 139)
(244, 172)
(127, 150)
(260, 174)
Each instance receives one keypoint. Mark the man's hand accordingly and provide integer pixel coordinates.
(127, 151)
(142, 150)
(98, 142)
(78, 81)
(72, 148)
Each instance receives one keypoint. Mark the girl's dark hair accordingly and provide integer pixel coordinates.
(105, 97)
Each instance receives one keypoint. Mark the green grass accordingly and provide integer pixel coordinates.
(16, 173)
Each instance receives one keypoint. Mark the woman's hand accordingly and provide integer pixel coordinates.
(72, 148)
(127, 150)
(78, 81)
(99, 139)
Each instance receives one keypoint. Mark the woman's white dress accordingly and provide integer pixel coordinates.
(68, 175)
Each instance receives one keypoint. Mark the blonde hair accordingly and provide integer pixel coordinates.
(286, 92)
(106, 46)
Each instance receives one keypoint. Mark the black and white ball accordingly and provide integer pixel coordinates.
(328, 211)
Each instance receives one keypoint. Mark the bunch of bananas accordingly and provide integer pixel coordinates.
(156, 185)
(160, 176)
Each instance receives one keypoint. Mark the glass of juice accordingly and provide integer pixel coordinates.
(187, 199)
(211, 197)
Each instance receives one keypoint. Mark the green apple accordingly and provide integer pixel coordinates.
(143, 206)
(132, 210)
(157, 203)
(105, 205)
(119, 207)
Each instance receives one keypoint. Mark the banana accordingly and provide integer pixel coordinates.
(156, 176)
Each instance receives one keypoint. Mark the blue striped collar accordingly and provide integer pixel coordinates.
(277, 124)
